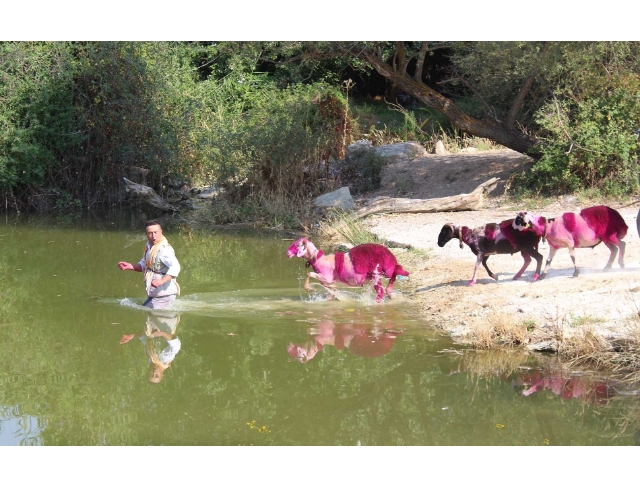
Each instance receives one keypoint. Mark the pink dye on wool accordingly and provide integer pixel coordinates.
(362, 263)
(366, 257)
(606, 222)
(339, 267)
(492, 239)
(465, 234)
(569, 220)
(490, 231)
(589, 228)
(511, 234)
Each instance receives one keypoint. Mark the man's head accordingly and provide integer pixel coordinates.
(153, 229)
(155, 373)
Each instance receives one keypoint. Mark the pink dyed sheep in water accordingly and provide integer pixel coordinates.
(574, 230)
(365, 262)
(495, 238)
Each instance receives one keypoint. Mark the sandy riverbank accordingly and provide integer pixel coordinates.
(605, 303)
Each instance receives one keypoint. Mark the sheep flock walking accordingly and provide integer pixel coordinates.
(577, 230)
(522, 234)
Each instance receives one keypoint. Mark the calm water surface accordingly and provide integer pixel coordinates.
(260, 362)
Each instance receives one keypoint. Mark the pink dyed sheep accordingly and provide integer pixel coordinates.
(574, 230)
(365, 262)
(495, 238)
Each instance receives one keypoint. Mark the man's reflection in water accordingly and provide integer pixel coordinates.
(160, 342)
(362, 340)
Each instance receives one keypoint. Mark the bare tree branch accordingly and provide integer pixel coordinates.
(424, 46)
(518, 103)
(400, 53)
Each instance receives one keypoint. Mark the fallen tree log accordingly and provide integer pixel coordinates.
(460, 202)
(148, 196)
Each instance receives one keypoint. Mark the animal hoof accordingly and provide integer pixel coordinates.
(536, 277)
(542, 276)
(471, 283)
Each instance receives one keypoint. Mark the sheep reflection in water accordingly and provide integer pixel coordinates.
(567, 387)
(361, 340)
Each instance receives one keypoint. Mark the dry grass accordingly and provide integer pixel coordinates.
(340, 225)
(501, 331)
(628, 423)
(620, 356)
(579, 342)
(585, 347)
(494, 363)
(581, 345)
(455, 144)
(262, 209)
(555, 325)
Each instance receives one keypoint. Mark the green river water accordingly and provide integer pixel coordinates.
(371, 374)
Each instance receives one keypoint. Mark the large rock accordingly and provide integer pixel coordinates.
(146, 195)
(545, 346)
(440, 149)
(340, 198)
(357, 151)
(403, 151)
(208, 193)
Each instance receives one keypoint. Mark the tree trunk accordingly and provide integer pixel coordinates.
(519, 102)
(461, 202)
(417, 75)
(489, 129)
(401, 56)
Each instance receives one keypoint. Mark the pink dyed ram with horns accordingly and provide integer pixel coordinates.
(575, 230)
(365, 262)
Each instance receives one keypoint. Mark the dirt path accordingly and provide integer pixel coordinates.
(605, 302)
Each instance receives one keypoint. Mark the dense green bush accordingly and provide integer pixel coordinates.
(582, 108)
(589, 143)
(75, 117)
(36, 116)
(78, 116)
(261, 139)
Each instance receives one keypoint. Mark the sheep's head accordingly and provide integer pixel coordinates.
(298, 248)
(447, 233)
(303, 353)
(523, 220)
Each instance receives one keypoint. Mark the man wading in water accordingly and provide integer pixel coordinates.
(160, 267)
